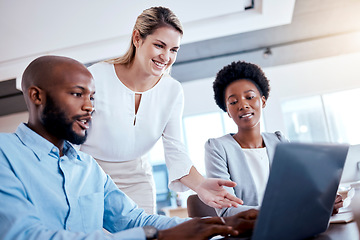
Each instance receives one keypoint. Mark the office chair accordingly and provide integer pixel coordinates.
(196, 208)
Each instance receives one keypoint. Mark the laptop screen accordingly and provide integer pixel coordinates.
(301, 190)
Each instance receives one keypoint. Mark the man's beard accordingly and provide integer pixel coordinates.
(55, 122)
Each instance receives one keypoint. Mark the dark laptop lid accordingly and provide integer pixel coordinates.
(301, 191)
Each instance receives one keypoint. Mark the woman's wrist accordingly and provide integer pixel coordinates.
(193, 180)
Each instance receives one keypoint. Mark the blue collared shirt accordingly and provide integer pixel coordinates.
(45, 196)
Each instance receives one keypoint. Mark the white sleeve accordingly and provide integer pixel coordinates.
(176, 157)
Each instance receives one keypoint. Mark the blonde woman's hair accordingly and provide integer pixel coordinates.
(147, 23)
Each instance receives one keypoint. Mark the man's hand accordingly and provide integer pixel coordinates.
(338, 204)
(197, 229)
(243, 222)
(212, 193)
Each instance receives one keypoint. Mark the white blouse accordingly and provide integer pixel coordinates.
(113, 135)
(258, 162)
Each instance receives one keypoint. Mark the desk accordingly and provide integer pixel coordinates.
(340, 231)
(175, 212)
(336, 231)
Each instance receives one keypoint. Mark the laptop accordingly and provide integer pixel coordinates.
(301, 191)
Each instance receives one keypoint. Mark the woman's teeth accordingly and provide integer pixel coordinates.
(159, 64)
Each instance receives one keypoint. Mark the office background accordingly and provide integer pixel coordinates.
(310, 51)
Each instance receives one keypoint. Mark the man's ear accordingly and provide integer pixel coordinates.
(36, 95)
(136, 38)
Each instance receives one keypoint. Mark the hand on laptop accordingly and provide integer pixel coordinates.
(204, 228)
(338, 204)
(198, 229)
(243, 222)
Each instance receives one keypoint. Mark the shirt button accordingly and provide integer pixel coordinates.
(69, 228)
(53, 150)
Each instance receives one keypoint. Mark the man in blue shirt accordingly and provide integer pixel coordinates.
(49, 190)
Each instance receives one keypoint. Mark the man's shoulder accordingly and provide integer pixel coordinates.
(10, 145)
(7, 139)
(6, 135)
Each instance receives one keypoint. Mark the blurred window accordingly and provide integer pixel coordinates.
(330, 117)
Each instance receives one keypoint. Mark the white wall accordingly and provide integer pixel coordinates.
(10, 122)
(199, 97)
(96, 30)
(287, 81)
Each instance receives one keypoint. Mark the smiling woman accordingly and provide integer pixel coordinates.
(241, 90)
(138, 103)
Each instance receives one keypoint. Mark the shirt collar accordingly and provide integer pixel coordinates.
(70, 151)
(42, 147)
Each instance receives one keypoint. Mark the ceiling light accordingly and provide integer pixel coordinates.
(267, 53)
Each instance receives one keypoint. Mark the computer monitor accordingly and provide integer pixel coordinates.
(351, 172)
(163, 193)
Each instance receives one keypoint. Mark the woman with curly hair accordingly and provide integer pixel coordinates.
(241, 89)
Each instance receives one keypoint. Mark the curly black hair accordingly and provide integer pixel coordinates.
(236, 71)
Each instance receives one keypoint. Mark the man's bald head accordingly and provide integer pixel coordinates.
(45, 71)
